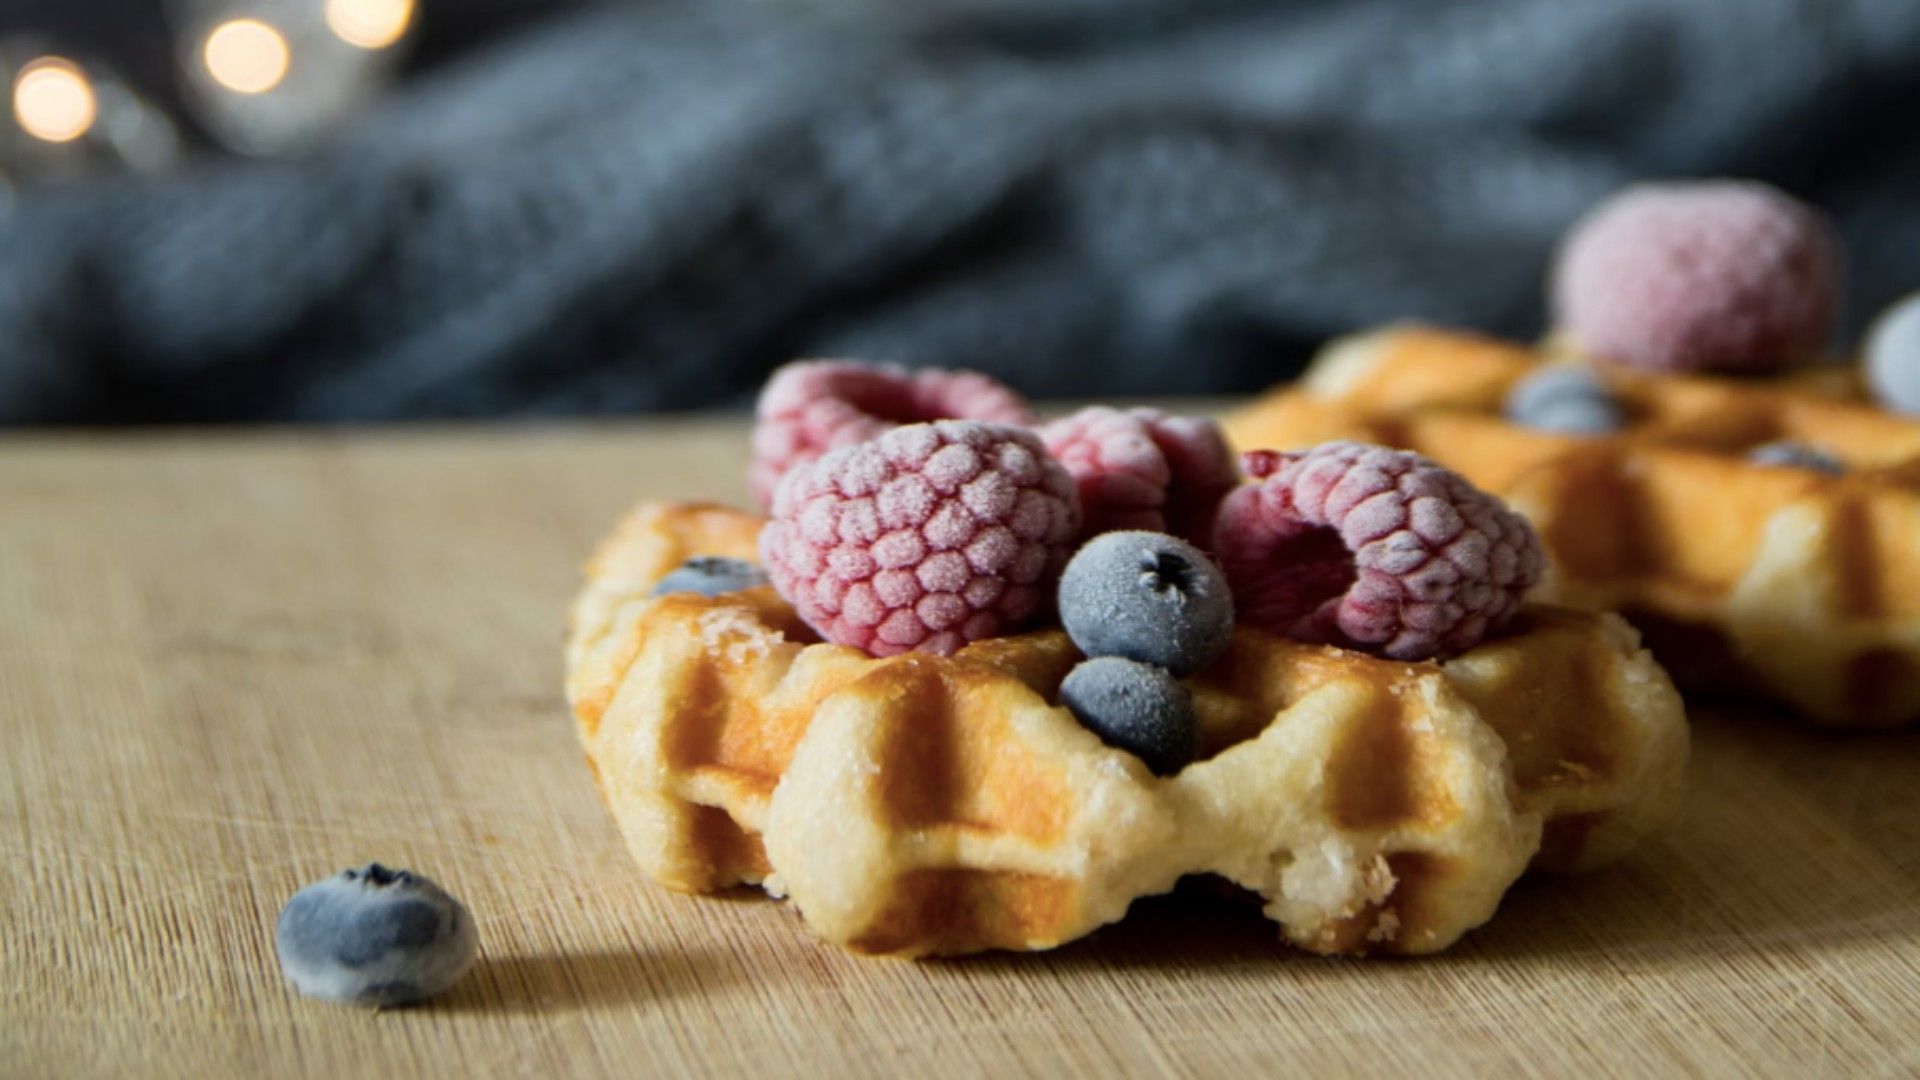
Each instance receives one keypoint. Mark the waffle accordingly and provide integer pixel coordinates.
(923, 805)
(1789, 585)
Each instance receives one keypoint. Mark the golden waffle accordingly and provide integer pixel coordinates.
(1800, 587)
(919, 805)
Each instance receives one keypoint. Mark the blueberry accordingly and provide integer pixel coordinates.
(1796, 455)
(1134, 707)
(711, 575)
(1149, 597)
(1893, 356)
(374, 936)
(1566, 399)
(1576, 416)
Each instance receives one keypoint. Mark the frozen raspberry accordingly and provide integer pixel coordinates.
(1712, 275)
(1374, 549)
(925, 538)
(814, 406)
(1144, 469)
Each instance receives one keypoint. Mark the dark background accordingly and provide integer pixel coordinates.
(572, 209)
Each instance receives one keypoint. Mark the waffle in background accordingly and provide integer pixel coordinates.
(920, 805)
(1788, 584)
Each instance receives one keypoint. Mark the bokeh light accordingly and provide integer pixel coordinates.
(247, 56)
(53, 100)
(369, 24)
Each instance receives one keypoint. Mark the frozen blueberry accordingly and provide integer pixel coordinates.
(1134, 707)
(374, 936)
(1893, 356)
(1796, 455)
(1564, 398)
(711, 575)
(1576, 416)
(1149, 597)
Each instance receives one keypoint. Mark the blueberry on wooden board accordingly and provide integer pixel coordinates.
(374, 936)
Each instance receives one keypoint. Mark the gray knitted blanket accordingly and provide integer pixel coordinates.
(647, 207)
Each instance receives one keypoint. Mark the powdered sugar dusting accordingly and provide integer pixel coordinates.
(735, 635)
(1385, 927)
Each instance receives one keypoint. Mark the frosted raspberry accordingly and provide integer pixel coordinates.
(1713, 275)
(1144, 469)
(814, 406)
(925, 538)
(1374, 549)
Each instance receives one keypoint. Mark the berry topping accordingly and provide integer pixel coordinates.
(814, 406)
(1134, 707)
(1144, 469)
(1893, 356)
(928, 537)
(1796, 455)
(1711, 275)
(1149, 597)
(1564, 398)
(374, 936)
(1374, 549)
(711, 575)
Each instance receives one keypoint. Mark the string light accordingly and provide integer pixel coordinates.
(53, 100)
(268, 77)
(369, 24)
(247, 56)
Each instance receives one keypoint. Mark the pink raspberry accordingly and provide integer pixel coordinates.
(927, 537)
(1144, 469)
(1374, 549)
(813, 406)
(1713, 275)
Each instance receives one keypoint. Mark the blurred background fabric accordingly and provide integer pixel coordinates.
(646, 206)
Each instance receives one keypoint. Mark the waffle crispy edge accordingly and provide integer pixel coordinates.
(920, 805)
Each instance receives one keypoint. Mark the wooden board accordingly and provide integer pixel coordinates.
(230, 664)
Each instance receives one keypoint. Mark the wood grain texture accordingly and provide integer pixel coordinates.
(230, 664)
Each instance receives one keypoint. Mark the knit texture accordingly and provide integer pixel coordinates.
(651, 205)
